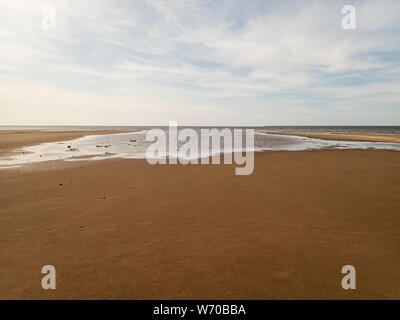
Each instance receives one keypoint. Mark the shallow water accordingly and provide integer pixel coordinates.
(134, 146)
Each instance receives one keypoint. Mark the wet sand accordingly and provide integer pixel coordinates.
(11, 140)
(373, 137)
(128, 230)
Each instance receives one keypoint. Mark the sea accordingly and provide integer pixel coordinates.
(347, 129)
(135, 145)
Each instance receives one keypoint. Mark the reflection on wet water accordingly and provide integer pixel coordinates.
(134, 145)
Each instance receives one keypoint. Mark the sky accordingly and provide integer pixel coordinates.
(203, 62)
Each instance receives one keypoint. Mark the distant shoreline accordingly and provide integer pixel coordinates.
(365, 137)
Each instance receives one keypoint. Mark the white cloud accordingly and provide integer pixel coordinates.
(157, 59)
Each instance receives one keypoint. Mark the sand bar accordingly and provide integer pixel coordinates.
(372, 137)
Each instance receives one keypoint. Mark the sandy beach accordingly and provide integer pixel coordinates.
(373, 137)
(123, 229)
(11, 140)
